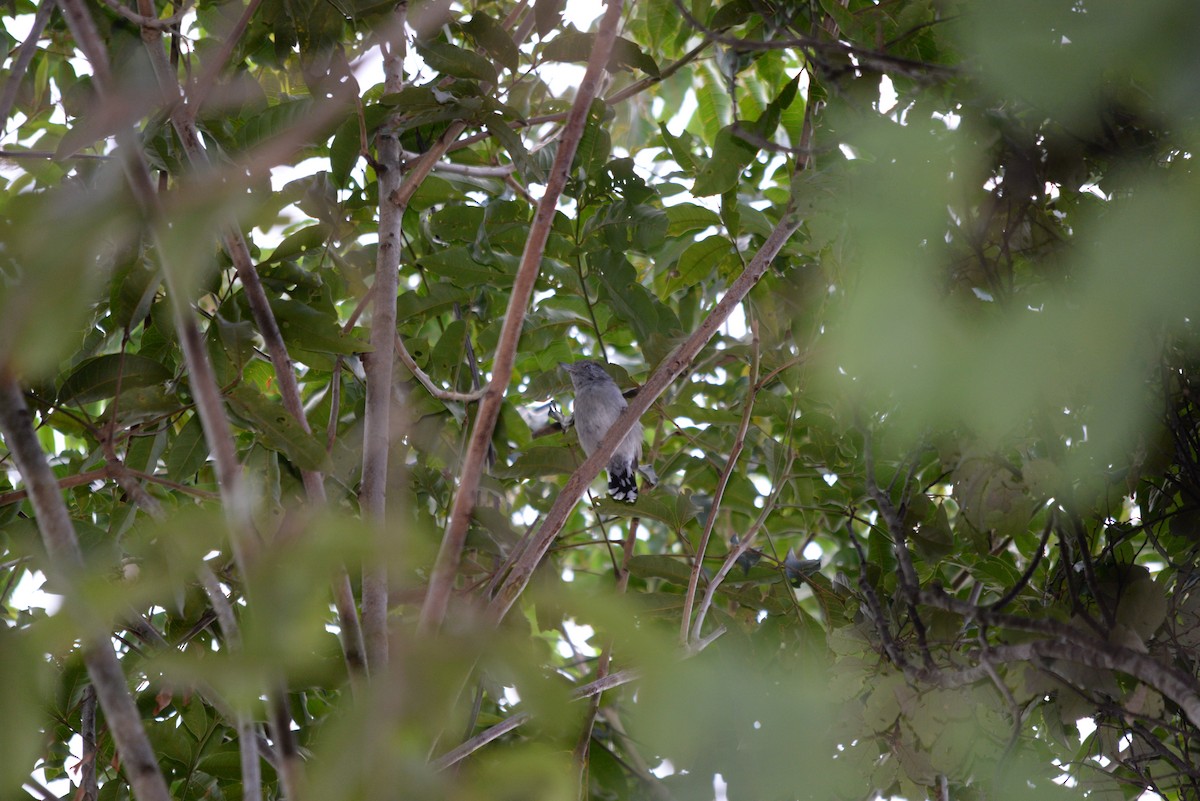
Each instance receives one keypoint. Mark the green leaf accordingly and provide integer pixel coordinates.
(684, 217)
(1143, 607)
(673, 508)
(457, 265)
(98, 378)
(276, 429)
(672, 569)
(285, 116)
(648, 316)
(731, 14)
(450, 60)
(307, 328)
(189, 450)
(679, 147)
(440, 297)
(544, 460)
(768, 121)
(699, 261)
(312, 237)
(134, 288)
(344, 151)
(491, 36)
(574, 46)
(547, 15)
(723, 171)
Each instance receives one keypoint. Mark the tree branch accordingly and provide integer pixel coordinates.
(739, 441)
(380, 363)
(670, 369)
(442, 580)
(183, 120)
(423, 378)
(503, 727)
(66, 564)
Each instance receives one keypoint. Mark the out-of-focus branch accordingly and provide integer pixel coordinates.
(183, 120)
(445, 569)
(66, 563)
(247, 735)
(87, 734)
(147, 21)
(503, 727)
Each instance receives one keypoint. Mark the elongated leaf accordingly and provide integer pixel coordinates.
(685, 217)
(275, 428)
(310, 238)
(547, 14)
(491, 36)
(98, 378)
(700, 260)
(274, 120)
(307, 328)
(672, 569)
(451, 60)
(731, 154)
(544, 460)
(574, 46)
(673, 508)
(188, 452)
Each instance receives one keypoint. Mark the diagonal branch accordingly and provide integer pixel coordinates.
(739, 440)
(442, 581)
(671, 368)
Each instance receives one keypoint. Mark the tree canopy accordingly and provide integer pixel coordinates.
(904, 293)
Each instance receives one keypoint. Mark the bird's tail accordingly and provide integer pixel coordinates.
(622, 482)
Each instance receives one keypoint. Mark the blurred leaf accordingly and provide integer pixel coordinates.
(98, 378)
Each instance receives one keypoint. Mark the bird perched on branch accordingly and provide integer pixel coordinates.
(598, 404)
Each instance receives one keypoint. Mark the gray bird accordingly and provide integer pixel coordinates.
(598, 403)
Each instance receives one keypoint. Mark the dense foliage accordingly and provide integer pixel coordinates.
(909, 288)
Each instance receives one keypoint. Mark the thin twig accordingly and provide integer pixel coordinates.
(427, 382)
(247, 734)
(811, 45)
(739, 441)
(183, 120)
(475, 170)
(87, 734)
(147, 22)
(743, 545)
(588, 690)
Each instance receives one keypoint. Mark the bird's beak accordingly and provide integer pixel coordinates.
(564, 366)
